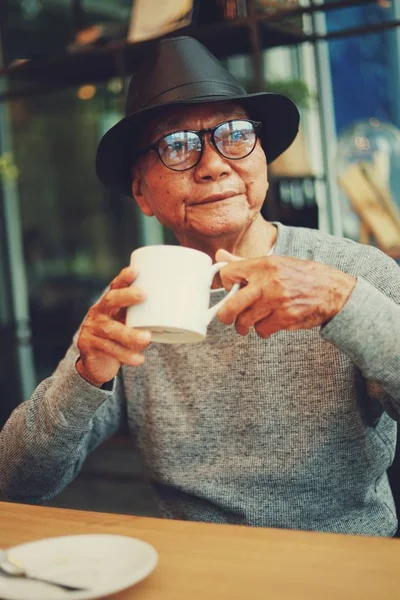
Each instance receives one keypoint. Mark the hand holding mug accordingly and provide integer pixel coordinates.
(105, 342)
(282, 293)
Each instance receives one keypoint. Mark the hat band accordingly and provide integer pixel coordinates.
(195, 91)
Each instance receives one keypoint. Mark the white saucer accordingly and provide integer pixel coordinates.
(104, 564)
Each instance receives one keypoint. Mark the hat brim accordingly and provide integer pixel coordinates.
(278, 114)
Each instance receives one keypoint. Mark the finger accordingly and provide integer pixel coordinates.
(225, 256)
(232, 274)
(128, 337)
(307, 323)
(113, 350)
(245, 297)
(268, 326)
(116, 299)
(265, 328)
(124, 278)
(251, 316)
(241, 271)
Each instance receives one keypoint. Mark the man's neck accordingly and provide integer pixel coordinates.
(258, 240)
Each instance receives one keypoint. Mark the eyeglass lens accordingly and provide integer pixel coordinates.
(182, 149)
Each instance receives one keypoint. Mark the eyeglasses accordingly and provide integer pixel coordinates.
(182, 150)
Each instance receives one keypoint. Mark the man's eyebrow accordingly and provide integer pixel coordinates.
(167, 124)
(176, 123)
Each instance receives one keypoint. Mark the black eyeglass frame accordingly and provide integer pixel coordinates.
(200, 133)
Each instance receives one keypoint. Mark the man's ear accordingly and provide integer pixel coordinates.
(137, 191)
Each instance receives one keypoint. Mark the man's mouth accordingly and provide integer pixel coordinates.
(215, 198)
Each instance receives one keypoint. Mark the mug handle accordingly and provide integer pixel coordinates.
(235, 288)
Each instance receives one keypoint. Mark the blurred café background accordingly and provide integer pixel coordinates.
(64, 67)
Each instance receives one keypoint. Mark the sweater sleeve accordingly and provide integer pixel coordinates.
(47, 438)
(367, 328)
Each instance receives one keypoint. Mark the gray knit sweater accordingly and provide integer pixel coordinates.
(296, 431)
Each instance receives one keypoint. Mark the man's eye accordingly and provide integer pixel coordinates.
(175, 146)
(237, 136)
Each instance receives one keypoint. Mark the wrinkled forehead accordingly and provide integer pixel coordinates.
(193, 116)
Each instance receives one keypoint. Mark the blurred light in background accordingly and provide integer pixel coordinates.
(86, 92)
(115, 86)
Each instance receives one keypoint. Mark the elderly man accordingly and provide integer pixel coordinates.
(285, 415)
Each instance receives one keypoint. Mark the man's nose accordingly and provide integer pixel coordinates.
(213, 165)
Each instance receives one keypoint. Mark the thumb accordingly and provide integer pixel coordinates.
(225, 256)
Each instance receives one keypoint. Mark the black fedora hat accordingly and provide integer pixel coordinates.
(180, 70)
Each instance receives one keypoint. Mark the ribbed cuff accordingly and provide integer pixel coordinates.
(75, 400)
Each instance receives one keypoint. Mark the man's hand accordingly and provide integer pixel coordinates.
(105, 343)
(281, 293)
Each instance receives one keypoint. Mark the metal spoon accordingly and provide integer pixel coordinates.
(10, 568)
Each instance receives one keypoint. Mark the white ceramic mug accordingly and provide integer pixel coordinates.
(177, 283)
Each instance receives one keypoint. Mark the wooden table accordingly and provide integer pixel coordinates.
(204, 562)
